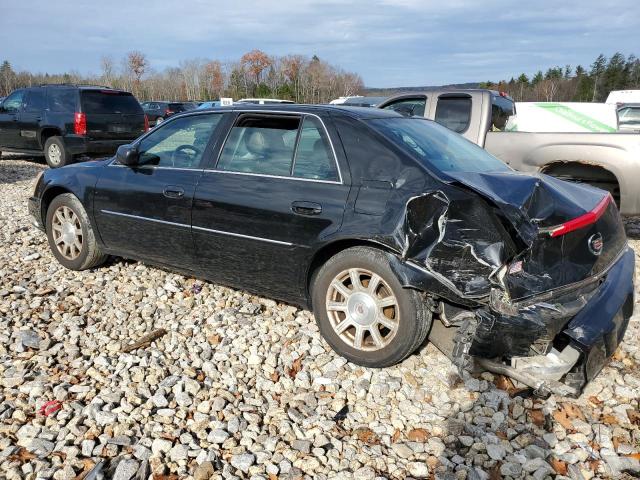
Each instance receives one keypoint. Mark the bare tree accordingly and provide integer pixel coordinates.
(108, 70)
(256, 61)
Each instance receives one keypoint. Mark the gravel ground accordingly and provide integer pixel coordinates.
(244, 387)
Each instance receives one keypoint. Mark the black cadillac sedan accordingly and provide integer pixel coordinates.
(390, 229)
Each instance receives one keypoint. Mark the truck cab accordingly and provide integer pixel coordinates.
(610, 161)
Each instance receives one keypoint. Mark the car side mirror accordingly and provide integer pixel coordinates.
(128, 155)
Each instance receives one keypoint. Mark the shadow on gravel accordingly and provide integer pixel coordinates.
(13, 172)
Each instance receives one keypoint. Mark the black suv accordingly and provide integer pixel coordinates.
(65, 121)
(157, 112)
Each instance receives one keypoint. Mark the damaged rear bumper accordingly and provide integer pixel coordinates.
(556, 343)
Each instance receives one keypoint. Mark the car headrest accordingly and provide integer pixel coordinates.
(257, 142)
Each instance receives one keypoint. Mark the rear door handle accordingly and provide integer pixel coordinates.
(306, 208)
(171, 191)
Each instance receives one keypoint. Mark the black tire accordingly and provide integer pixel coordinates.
(414, 316)
(56, 153)
(90, 254)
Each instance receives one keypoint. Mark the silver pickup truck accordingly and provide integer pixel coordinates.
(610, 161)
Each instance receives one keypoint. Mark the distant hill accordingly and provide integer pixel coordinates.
(386, 92)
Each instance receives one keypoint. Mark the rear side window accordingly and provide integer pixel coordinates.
(409, 107)
(629, 116)
(104, 101)
(35, 101)
(62, 100)
(314, 157)
(454, 113)
(501, 109)
(261, 144)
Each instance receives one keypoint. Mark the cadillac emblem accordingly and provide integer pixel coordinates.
(595, 243)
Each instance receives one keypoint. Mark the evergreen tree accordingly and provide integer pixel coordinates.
(597, 69)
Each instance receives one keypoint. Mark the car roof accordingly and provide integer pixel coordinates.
(79, 87)
(354, 112)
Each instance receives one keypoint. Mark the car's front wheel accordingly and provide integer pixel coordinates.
(363, 311)
(70, 234)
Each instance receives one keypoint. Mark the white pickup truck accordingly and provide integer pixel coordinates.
(610, 161)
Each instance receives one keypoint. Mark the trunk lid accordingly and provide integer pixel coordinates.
(568, 232)
(112, 115)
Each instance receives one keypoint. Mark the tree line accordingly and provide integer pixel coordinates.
(255, 74)
(579, 84)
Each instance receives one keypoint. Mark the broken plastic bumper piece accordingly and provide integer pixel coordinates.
(558, 345)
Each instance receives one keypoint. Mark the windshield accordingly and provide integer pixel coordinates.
(436, 146)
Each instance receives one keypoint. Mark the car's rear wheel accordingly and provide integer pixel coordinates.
(70, 234)
(363, 311)
(55, 153)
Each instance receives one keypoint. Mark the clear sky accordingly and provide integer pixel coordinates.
(388, 42)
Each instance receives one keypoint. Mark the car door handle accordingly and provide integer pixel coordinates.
(171, 191)
(306, 208)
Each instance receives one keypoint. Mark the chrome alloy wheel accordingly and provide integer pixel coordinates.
(362, 309)
(55, 154)
(67, 232)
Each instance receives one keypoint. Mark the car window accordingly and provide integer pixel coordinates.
(437, 147)
(13, 103)
(409, 107)
(260, 144)
(35, 101)
(107, 101)
(454, 113)
(61, 100)
(178, 144)
(314, 157)
(501, 109)
(629, 115)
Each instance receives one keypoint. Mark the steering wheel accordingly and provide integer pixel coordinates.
(182, 153)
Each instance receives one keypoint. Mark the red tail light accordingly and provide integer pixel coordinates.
(80, 124)
(168, 112)
(146, 123)
(581, 221)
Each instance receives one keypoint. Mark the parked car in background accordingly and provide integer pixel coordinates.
(212, 104)
(66, 121)
(623, 96)
(341, 100)
(363, 101)
(263, 101)
(610, 161)
(629, 117)
(158, 112)
(389, 228)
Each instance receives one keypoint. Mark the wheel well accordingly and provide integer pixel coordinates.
(592, 174)
(328, 251)
(47, 198)
(46, 134)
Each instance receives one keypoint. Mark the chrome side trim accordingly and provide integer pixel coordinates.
(155, 167)
(281, 177)
(202, 229)
(239, 235)
(137, 217)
